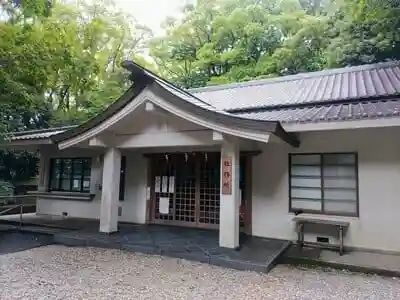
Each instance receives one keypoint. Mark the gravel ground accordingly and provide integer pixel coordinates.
(58, 272)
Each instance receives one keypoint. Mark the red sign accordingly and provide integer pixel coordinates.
(226, 176)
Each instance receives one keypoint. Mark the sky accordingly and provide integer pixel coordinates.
(151, 12)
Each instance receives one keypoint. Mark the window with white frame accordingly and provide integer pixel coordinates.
(324, 183)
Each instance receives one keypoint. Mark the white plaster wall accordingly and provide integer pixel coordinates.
(160, 121)
(78, 209)
(134, 206)
(379, 180)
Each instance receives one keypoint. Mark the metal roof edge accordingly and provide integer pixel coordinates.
(313, 104)
(38, 131)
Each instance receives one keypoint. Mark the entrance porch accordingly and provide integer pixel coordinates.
(193, 189)
(255, 254)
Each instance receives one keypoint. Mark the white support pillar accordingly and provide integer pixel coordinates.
(110, 190)
(230, 197)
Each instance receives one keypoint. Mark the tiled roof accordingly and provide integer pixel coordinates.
(37, 134)
(329, 112)
(352, 83)
(362, 92)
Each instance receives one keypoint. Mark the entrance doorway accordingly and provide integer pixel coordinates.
(185, 189)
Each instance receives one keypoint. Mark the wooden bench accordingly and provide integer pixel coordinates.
(341, 226)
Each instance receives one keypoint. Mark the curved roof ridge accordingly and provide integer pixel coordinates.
(134, 67)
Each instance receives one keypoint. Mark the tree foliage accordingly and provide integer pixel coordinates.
(60, 63)
(17, 166)
(226, 41)
(365, 31)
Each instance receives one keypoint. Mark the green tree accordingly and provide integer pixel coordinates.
(230, 40)
(90, 77)
(60, 62)
(226, 41)
(364, 31)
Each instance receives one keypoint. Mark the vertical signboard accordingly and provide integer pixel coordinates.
(157, 187)
(226, 176)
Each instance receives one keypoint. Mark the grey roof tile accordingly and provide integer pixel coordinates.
(37, 134)
(361, 82)
(332, 112)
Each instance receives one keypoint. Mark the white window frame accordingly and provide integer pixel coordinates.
(323, 189)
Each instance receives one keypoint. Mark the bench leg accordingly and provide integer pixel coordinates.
(341, 251)
(300, 235)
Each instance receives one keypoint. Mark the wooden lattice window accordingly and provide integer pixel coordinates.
(210, 190)
(185, 191)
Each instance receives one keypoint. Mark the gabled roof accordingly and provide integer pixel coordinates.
(326, 87)
(184, 101)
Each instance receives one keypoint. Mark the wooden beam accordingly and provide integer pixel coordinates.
(97, 142)
(242, 153)
(166, 139)
(218, 136)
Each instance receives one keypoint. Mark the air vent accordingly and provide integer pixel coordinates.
(321, 239)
